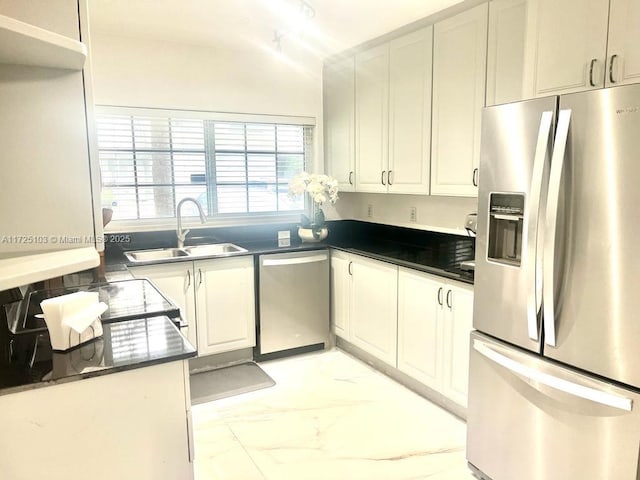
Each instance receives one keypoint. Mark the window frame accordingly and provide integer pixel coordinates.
(218, 219)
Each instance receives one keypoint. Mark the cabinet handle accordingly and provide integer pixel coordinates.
(593, 62)
(389, 177)
(440, 296)
(350, 178)
(382, 177)
(188, 279)
(199, 277)
(474, 179)
(349, 269)
(613, 57)
(449, 304)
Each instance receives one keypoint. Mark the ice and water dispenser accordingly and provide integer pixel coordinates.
(506, 214)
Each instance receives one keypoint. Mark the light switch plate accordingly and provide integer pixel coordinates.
(284, 238)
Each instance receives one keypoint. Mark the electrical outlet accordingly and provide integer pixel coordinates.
(370, 211)
(413, 214)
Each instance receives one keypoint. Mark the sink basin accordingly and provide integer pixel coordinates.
(216, 249)
(156, 254)
(212, 250)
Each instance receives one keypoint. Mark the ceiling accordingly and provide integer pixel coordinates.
(336, 25)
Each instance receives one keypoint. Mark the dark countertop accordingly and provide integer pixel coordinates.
(124, 346)
(435, 253)
(139, 329)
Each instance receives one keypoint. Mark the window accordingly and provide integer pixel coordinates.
(149, 163)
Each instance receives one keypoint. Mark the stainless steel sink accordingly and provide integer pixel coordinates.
(215, 249)
(155, 254)
(211, 250)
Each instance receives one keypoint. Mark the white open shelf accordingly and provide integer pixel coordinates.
(25, 44)
(27, 268)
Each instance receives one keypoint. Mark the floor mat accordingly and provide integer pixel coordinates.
(227, 382)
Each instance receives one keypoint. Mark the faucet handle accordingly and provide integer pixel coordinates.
(182, 235)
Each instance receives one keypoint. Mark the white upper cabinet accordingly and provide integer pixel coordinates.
(539, 48)
(505, 54)
(410, 70)
(623, 54)
(372, 119)
(566, 46)
(339, 122)
(459, 65)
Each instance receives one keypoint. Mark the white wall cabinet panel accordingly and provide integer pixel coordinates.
(410, 72)
(457, 325)
(623, 54)
(373, 319)
(566, 45)
(340, 293)
(339, 122)
(45, 186)
(459, 65)
(176, 282)
(225, 304)
(420, 342)
(372, 119)
(505, 53)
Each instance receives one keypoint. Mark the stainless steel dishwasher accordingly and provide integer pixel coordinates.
(293, 303)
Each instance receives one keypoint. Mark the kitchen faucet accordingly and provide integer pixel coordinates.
(179, 232)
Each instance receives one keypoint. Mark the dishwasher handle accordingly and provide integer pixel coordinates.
(272, 262)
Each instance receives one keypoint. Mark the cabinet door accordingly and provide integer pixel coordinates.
(505, 53)
(374, 302)
(566, 43)
(339, 122)
(623, 62)
(176, 282)
(340, 293)
(457, 325)
(225, 302)
(372, 122)
(420, 300)
(459, 64)
(410, 65)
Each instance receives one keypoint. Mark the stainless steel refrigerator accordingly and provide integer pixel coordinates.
(554, 381)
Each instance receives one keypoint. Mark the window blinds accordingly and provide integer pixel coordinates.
(150, 163)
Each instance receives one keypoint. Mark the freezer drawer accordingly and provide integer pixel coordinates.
(530, 419)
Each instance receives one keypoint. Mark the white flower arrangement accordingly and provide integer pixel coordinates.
(320, 188)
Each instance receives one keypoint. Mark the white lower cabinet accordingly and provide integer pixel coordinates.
(175, 281)
(364, 303)
(414, 321)
(373, 307)
(340, 293)
(434, 321)
(216, 298)
(225, 304)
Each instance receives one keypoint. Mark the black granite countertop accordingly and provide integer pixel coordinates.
(123, 346)
(140, 328)
(430, 252)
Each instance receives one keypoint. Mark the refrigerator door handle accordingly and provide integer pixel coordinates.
(551, 220)
(534, 253)
(572, 388)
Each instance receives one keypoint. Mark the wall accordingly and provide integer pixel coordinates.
(152, 73)
(162, 74)
(437, 213)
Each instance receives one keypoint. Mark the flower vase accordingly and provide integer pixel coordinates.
(307, 236)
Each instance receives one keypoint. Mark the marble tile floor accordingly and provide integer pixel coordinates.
(328, 417)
